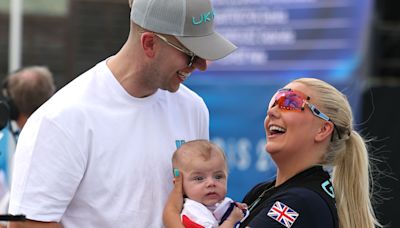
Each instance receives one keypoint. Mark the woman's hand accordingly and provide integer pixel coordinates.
(173, 207)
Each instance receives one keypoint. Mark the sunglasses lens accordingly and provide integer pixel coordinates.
(289, 100)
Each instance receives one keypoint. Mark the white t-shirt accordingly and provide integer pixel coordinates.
(94, 156)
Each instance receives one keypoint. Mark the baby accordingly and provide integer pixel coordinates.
(204, 170)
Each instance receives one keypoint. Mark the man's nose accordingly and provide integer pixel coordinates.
(200, 64)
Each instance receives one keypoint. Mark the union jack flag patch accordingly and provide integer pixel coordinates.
(283, 214)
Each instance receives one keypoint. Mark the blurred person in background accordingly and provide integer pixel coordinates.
(24, 91)
(309, 127)
(98, 153)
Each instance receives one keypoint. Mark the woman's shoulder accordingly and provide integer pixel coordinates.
(300, 197)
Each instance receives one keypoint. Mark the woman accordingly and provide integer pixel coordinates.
(308, 126)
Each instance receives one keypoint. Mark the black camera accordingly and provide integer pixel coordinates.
(8, 110)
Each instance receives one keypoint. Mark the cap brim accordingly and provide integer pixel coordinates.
(211, 47)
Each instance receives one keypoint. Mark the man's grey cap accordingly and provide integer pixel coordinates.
(190, 21)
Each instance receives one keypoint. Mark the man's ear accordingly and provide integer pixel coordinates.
(324, 131)
(148, 44)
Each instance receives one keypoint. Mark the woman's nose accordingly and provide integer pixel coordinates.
(273, 111)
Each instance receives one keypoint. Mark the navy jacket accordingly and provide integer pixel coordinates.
(305, 200)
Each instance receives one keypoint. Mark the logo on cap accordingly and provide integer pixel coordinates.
(203, 18)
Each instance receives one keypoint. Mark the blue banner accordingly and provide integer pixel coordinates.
(278, 41)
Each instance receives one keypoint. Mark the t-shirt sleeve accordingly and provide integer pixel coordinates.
(296, 207)
(48, 167)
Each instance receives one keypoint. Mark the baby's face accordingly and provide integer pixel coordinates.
(206, 181)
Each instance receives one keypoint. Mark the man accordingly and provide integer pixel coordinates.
(24, 91)
(98, 153)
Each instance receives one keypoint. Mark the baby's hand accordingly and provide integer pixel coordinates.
(242, 206)
(238, 213)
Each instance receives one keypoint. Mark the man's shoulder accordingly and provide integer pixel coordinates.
(187, 96)
(186, 91)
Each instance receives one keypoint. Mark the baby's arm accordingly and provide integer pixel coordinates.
(235, 216)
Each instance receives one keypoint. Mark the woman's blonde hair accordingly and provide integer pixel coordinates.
(348, 155)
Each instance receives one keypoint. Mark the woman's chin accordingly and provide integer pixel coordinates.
(271, 148)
